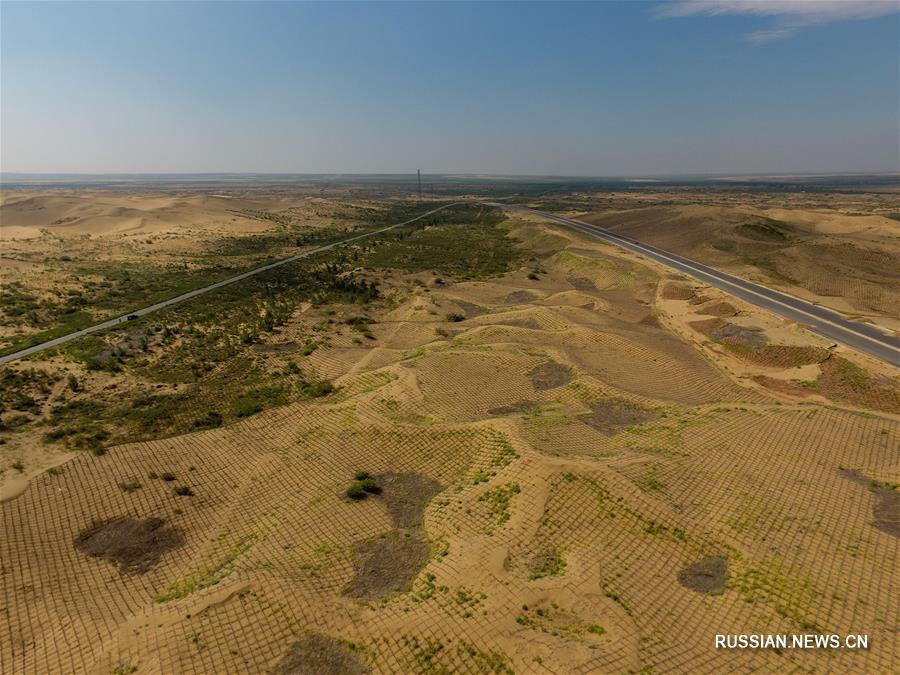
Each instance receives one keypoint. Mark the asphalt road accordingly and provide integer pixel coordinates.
(205, 289)
(826, 322)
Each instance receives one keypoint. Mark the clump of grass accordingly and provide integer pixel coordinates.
(168, 476)
(316, 388)
(370, 486)
(183, 491)
(498, 501)
(356, 492)
(362, 486)
(211, 420)
(130, 486)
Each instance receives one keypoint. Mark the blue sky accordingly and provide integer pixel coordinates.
(608, 88)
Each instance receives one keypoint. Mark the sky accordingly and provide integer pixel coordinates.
(555, 88)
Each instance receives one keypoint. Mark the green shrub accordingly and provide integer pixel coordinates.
(247, 407)
(211, 420)
(370, 486)
(356, 492)
(316, 388)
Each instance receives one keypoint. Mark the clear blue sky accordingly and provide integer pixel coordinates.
(609, 88)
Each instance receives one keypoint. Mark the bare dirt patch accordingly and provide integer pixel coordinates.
(887, 505)
(546, 562)
(582, 284)
(520, 297)
(406, 495)
(750, 343)
(843, 380)
(705, 576)
(609, 416)
(550, 375)
(387, 564)
(744, 336)
(530, 322)
(708, 326)
(723, 309)
(319, 655)
(512, 408)
(471, 310)
(133, 545)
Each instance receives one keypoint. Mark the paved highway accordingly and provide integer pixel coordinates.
(826, 322)
(206, 289)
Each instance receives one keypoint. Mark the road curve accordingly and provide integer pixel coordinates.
(825, 322)
(205, 289)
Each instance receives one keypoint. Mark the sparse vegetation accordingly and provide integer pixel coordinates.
(362, 486)
(647, 479)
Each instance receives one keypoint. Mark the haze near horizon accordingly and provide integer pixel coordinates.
(590, 89)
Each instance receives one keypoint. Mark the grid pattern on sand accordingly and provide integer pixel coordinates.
(554, 545)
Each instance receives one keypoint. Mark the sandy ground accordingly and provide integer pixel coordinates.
(574, 479)
(47, 239)
(842, 255)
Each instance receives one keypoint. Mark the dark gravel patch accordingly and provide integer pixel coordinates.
(520, 297)
(133, 545)
(740, 335)
(387, 564)
(550, 375)
(546, 562)
(611, 415)
(582, 284)
(470, 309)
(406, 495)
(316, 654)
(705, 576)
(886, 510)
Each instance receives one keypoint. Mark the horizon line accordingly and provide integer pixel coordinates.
(481, 174)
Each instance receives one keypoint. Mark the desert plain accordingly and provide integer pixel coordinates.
(480, 442)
